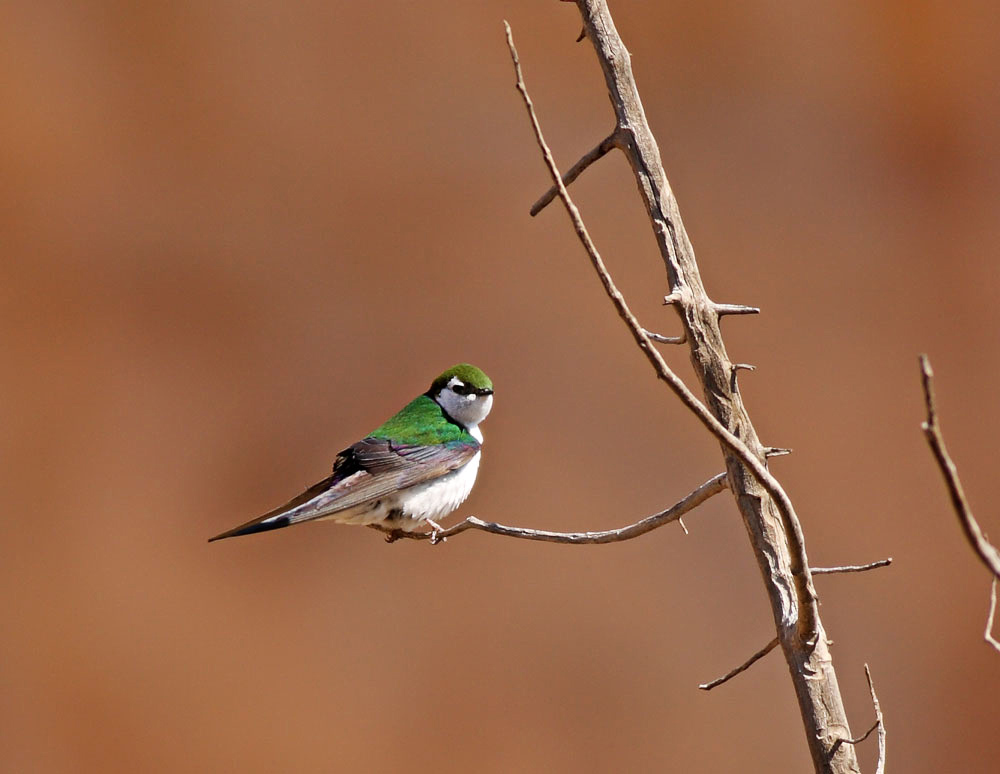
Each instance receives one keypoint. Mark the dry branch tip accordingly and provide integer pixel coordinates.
(851, 567)
(665, 339)
(723, 309)
(741, 668)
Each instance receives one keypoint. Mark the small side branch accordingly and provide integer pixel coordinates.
(851, 567)
(724, 309)
(856, 740)
(986, 551)
(606, 145)
(674, 513)
(742, 667)
(879, 724)
(665, 339)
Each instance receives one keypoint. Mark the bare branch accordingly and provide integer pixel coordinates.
(606, 145)
(776, 451)
(674, 513)
(742, 667)
(770, 519)
(989, 620)
(804, 619)
(851, 567)
(987, 552)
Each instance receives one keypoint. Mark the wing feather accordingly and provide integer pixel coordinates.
(370, 469)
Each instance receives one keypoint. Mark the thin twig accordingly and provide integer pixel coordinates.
(987, 552)
(805, 620)
(973, 533)
(880, 721)
(710, 488)
(989, 620)
(742, 667)
(606, 145)
(666, 339)
(851, 567)
(856, 740)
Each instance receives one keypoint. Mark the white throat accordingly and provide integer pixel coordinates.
(467, 410)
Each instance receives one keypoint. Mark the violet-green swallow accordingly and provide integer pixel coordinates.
(418, 466)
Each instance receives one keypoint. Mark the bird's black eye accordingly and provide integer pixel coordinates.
(462, 389)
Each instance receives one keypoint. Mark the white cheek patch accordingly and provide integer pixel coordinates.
(468, 410)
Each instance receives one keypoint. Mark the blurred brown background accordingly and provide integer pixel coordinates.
(236, 236)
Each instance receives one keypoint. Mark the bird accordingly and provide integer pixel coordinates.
(413, 469)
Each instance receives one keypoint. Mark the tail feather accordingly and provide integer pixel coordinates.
(254, 526)
(281, 516)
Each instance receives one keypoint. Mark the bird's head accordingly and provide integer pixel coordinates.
(465, 393)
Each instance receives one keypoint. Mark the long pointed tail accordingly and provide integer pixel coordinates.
(254, 526)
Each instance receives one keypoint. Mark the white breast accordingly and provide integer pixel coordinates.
(436, 499)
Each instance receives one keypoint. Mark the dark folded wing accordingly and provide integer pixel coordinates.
(370, 469)
(374, 467)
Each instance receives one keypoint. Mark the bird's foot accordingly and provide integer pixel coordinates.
(436, 530)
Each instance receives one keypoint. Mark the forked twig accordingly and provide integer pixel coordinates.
(879, 724)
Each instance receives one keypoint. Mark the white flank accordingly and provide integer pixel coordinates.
(430, 500)
(436, 499)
